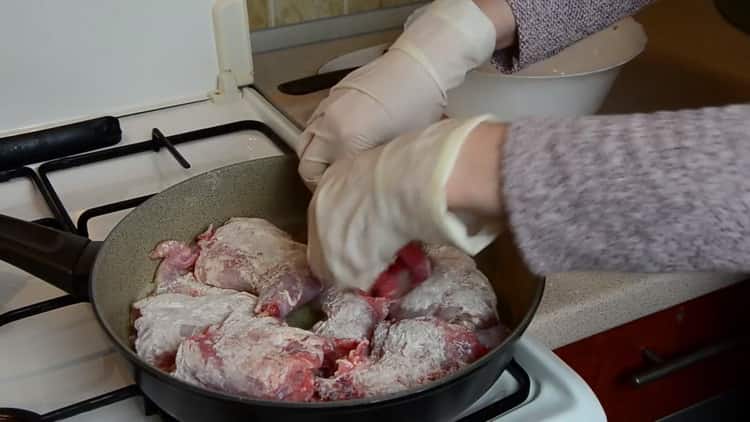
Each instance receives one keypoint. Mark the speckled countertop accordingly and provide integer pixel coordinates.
(693, 59)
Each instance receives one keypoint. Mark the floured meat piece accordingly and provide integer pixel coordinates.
(163, 321)
(251, 254)
(410, 268)
(456, 292)
(351, 317)
(254, 357)
(174, 274)
(405, 354)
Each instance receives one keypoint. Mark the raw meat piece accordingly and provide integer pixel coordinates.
(456, 292)
(351, 317)
(253, 255)
(174, 274)
(163, 321)
(356, 357)
(257, 357)
(405, 354)
(410, 268)
(291, 289)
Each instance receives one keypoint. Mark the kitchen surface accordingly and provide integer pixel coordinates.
(636, 346)
(80, 170)
(693, 58)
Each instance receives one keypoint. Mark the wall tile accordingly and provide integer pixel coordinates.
(258, 13)
(294, 11)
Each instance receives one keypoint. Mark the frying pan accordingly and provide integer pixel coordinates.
(114, 273)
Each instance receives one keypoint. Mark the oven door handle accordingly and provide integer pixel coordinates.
(659, 368)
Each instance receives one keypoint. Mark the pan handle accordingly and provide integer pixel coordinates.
(60, 258)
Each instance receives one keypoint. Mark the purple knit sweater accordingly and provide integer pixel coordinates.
(545, 27)
(660, 192)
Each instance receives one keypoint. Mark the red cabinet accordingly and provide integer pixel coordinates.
(608, 361)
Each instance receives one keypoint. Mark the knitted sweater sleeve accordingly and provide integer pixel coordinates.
(667, 191)
(545, 27)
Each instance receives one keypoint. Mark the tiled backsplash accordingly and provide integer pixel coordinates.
(270, 13)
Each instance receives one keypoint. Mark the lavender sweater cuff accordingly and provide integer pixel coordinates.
(668, 191)
(546, 27)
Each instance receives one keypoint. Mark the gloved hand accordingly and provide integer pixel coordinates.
(368, 207)
(403, 90)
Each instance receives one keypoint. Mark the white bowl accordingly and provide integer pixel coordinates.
(574, 82)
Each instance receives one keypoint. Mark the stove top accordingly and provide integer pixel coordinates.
(58, 362)
(61, 356)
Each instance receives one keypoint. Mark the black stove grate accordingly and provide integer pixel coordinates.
(157, 141)
(37, 308)
(57, 222)
(47, 193)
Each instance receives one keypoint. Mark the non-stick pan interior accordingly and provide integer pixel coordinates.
(268, 188)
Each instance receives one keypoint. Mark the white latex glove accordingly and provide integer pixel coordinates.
(367, 207)
(401, 91)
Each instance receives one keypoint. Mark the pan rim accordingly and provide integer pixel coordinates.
(387, 399)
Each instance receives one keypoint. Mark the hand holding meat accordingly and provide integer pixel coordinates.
(367, 208)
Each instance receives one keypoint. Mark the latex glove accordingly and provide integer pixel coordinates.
(403, 90)
(368, 207)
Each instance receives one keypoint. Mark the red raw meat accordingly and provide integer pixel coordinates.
(165, 320)
(456, 292)
(441, 316)
(351, 317)
(254, 357)
(291, 290)
(174, 274)
(253, 255)
(410, 268)
(355, 357)
(405, 354)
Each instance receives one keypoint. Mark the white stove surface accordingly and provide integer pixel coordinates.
(62, 357)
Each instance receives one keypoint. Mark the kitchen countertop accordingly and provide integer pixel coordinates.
(277, 67)
(693, 59)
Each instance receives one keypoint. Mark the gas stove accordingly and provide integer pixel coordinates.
(56, 360)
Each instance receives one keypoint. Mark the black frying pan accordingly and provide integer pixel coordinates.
(114, 273)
